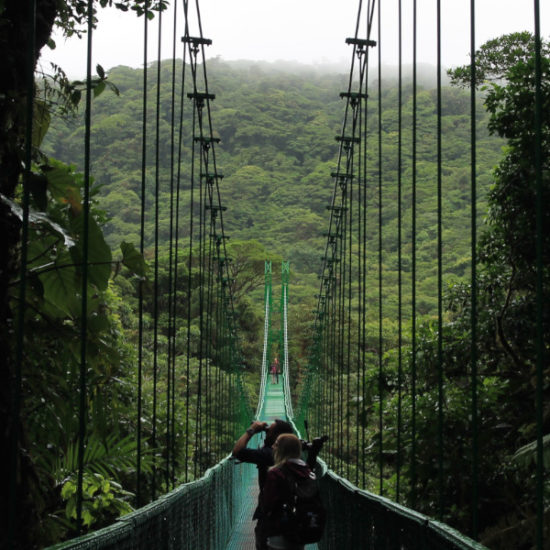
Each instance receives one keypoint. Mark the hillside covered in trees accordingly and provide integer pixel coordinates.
(277, 126)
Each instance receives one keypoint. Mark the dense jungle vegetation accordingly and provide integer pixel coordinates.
(506, 356)
(277, 126)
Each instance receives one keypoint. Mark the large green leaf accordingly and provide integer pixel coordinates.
(99, 88)
(110, 456)
(133, 259)
(99, 254)
(38, 219)
(59, 283)
(527, 455)
(62, 184)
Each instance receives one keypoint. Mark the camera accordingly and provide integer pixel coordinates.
(314, 445)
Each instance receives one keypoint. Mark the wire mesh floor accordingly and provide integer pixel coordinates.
(242, 537)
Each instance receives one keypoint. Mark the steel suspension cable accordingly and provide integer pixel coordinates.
(360, 284)
(201, 383)
(285, 273)
(359, 362)
(413, 267)
(142, 251)
(364, 79)
(540, 344)
(177, 175)
(208, 351)
(267, 329)
(189, 296)
(220, 338)
(399, 257)
(82, 408)
(349, 330)
(473, 313)
(439, 276)
(171, 356)
(268, 334)
(333, 372)
(156, 262)
(380, 297)
(340, 325)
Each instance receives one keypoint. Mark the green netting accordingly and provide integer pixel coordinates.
(359, 519)
(200, 514)
(215, 513)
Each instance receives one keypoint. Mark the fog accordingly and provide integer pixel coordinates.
(308, 32)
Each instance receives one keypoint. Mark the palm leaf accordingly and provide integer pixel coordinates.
(109, 457)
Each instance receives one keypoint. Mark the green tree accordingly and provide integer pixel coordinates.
(21, 41)
(507, 298)
(495, 58)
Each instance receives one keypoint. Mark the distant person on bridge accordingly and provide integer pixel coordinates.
(275, 371)
(263, 458)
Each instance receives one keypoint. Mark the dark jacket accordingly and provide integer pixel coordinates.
(263, 458)
(277, 490)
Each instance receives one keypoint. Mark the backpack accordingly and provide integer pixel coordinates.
(303, 518)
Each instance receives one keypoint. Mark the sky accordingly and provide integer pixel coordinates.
(305, 31)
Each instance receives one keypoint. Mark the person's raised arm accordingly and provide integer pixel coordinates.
(242, 442)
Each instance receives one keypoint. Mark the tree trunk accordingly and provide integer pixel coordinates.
(15, 40)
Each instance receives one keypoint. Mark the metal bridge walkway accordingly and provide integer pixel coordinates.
(242, 537)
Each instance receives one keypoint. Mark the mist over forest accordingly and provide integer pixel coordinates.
(277, 123)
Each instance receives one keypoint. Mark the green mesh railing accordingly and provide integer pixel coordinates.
(266, 354)
(359, 519)
(285, 272)
(200, 514)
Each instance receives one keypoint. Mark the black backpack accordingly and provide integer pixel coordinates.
(303, 518)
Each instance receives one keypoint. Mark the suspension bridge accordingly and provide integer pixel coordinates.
(225, 497)
(189, 493)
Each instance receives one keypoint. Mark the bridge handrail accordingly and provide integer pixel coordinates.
(198, 514)
(286, 367)
(350, 527)
(400, 528)
(265, 354)
(351, 524)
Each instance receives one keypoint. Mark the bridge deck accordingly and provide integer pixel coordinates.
(242, 537)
